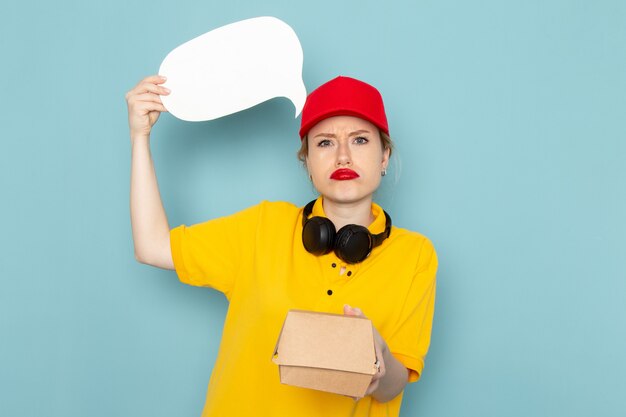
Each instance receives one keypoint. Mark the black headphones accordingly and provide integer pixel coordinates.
(352, 243)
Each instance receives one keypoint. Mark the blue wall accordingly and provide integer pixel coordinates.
(510, 124)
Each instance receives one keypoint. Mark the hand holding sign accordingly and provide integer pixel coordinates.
(233, 68)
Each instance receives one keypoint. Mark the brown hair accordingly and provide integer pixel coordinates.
(385, 142)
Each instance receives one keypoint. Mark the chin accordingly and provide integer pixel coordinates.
(346, 198)
(345, 191)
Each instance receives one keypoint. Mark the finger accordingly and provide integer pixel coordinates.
(373, 387)
(151, 88)
(135, 103)
(352, 311)
(155, 98)
(382, 369)
(155, 79)
(145, 107)
(144, 87)
(380, 362)
(141, 85)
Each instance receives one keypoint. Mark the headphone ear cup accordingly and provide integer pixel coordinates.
(353, 243)
(318, 235)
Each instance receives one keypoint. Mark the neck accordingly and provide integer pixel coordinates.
(341, 214)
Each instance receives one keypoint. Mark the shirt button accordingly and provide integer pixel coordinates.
(329, 292)
(334, 265)
(349, 273)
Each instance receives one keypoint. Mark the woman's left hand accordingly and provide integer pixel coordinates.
(380, 347)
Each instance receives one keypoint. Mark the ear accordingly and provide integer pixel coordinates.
(386, 154)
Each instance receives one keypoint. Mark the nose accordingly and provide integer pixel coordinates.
(343, 154)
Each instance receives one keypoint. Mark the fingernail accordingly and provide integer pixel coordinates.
(167, 90)
(163, 77)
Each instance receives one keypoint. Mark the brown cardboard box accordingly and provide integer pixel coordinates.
(326, 352)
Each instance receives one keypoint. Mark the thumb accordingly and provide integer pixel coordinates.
(352, 311)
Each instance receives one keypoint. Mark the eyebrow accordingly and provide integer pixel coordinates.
(332, 135)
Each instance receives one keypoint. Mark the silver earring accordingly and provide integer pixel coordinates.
(383, 173)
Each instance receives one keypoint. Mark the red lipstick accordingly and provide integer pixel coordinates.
(343, 174)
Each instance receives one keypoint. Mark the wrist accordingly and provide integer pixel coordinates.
(139, 138)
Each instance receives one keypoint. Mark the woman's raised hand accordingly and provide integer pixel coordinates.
(145, 106)
(151, 231)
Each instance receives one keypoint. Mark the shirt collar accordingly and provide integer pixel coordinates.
(376, 227)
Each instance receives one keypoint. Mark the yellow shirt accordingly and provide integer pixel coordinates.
(256, 258)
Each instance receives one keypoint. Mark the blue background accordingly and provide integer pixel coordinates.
(510, 124)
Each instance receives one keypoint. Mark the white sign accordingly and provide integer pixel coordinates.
(233, 68)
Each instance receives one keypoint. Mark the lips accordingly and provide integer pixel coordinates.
(344, 174)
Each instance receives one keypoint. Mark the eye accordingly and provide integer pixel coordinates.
(323, 143)
(361, 140)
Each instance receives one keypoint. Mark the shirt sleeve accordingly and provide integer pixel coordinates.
(410, 341)
(209, 254)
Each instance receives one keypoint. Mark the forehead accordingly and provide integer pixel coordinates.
(342, 124)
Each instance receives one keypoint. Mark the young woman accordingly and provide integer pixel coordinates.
(339, 251)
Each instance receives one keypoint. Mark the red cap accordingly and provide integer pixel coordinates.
(344, 96)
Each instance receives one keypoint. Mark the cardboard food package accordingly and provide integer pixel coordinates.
(326, 352)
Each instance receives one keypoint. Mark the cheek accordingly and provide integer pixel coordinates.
(316, 162)
(375, 160)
